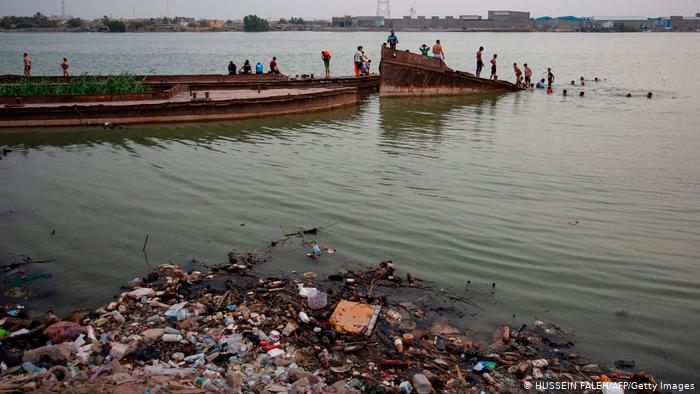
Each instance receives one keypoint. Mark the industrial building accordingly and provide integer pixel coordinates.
(497, 20)
(520, 21)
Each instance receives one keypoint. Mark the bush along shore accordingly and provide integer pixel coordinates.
(231, 329)
(83, 85)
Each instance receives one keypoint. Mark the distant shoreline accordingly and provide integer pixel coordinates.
(344, 30)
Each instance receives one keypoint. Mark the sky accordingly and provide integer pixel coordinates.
(324, 9)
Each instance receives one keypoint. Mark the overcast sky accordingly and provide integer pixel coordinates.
(324, 9)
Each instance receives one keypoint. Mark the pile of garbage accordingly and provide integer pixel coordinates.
(231, 331)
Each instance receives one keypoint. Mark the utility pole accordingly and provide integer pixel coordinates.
(63, 9)
(384, 8)
(167, 8)
(133, 10)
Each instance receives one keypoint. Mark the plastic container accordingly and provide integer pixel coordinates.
(318, 300)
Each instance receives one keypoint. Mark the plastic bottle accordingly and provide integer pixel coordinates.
(118, 317)
(171, 338)
(393, 314)
(405, 387)
(304, 317)
(398, 345)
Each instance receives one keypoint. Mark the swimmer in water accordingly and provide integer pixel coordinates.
(564, 92)
(581, 94)
(649, 95)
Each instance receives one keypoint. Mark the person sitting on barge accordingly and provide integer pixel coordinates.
(231, 68)
(246, 69)
(273, 66)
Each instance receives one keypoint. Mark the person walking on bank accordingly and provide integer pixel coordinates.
(27, 65)
(392, 40)
(479, 61)
(326, 57)
(493, 67)
(437, 50)
(64, 67)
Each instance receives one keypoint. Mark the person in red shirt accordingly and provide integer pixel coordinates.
(273, 66)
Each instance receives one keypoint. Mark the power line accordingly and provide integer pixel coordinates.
(384, 8)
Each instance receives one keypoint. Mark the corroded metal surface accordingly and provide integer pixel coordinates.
(210, 81)
(410, 74)
(174, 110)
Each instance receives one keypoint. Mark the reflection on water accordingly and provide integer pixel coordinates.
(417, 125)
(199, 134)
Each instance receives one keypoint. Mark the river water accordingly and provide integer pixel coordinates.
(583, 211)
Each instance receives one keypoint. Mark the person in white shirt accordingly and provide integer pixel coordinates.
(358, 61)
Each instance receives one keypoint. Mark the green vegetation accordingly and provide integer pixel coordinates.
(27, 22)
(116, 26)
(255, 23)
(293, 21)
(74, 23)
(82, 85)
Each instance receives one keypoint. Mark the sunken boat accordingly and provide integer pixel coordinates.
(181, 98)
(409, 74)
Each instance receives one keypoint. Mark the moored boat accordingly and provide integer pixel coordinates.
(403, 73)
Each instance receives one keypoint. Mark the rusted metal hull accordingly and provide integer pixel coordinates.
(409, 74)
(213, 81)
(187, 111)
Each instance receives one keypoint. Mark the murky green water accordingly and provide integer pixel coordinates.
(453, 189)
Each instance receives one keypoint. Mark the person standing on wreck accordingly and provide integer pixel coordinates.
(64, 66)
(550, 77)
(358, 61)
(27, 65)
(437, 51)
(518, 74)
(493, 67)
(326, 57)
(528, 75)
(392, 40)
(479, 61)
